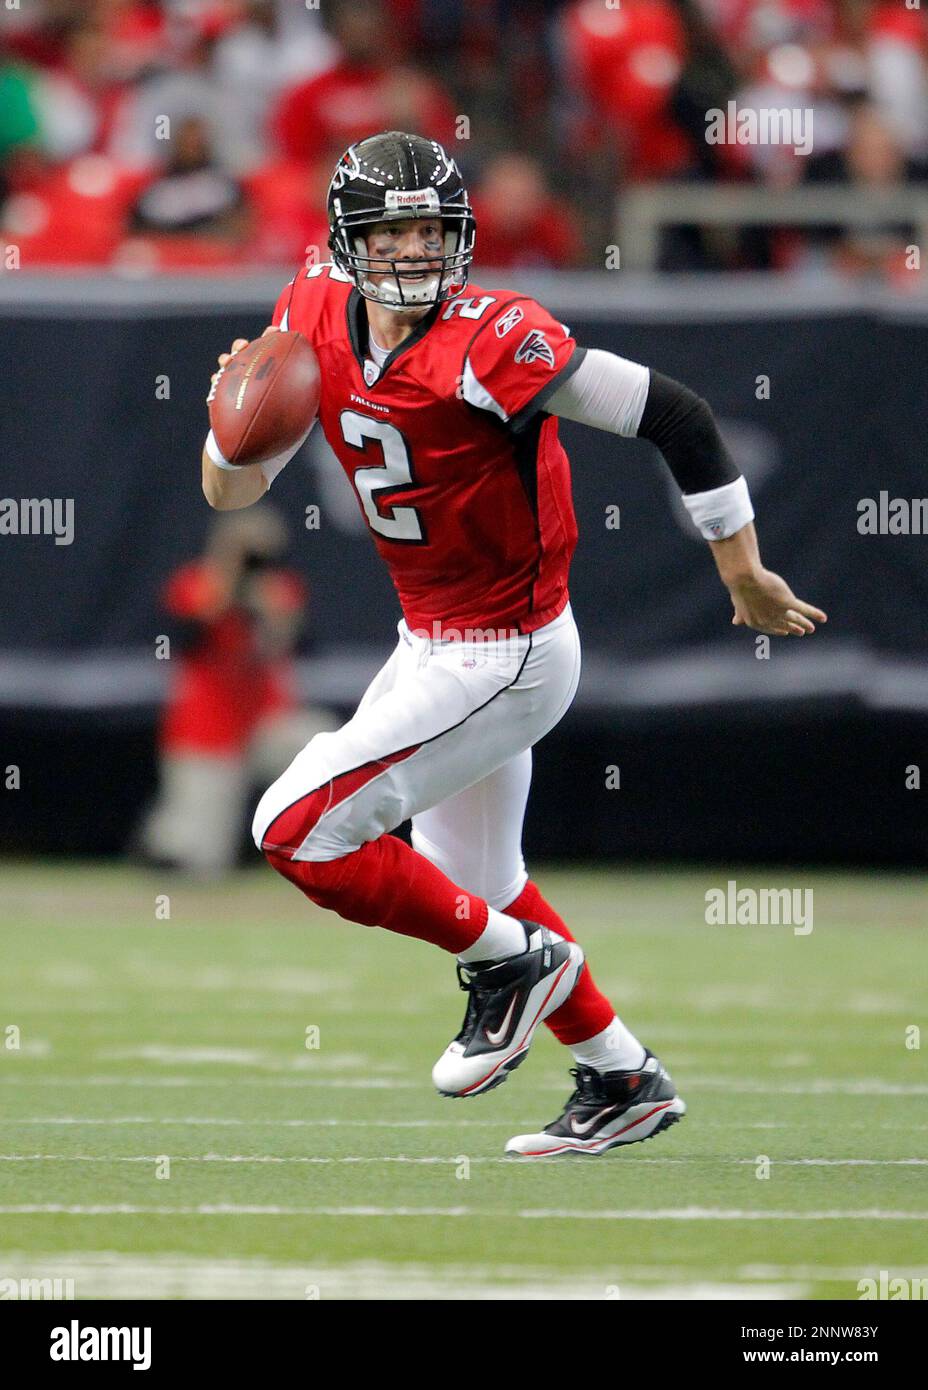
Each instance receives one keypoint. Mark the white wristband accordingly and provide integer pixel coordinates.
(721, 511)
(271, 467)
(216, 456)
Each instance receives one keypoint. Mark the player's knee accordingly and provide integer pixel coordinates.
(309, 770)
(429, 850)
(332, 884)
(264, 814)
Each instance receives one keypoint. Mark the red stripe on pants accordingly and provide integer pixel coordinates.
(288, 831)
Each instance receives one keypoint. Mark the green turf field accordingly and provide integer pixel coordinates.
(337, 1171)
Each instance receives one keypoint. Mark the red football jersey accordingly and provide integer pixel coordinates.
(458, 470)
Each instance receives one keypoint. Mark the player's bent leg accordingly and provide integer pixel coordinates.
(451, 718)
(387, 884)
(607, 1110)
(475, 837)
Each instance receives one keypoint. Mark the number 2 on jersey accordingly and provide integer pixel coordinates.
(393, 475)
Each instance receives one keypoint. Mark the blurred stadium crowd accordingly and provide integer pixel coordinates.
(552, 107)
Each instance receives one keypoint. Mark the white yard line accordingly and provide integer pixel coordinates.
(227, 1122)
(530, 1214)
(823, 1273)
(112, 1275)
(243, 1158)
(864, 1086)
(724, 1214)
(432, 1159)
(346, 1082)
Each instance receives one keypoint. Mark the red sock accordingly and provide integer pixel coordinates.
(587, 1011)
(387, 884)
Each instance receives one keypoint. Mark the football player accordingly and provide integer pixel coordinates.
(441, 401)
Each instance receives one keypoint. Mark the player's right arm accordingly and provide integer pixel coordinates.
(227, 492)
(225, 487)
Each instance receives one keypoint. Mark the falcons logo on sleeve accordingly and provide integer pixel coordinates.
(535, 347)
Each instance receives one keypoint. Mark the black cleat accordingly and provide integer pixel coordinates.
(607, 1109)
(508, 1000)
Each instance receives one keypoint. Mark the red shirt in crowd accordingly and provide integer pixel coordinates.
(223, 686)
(333, 110)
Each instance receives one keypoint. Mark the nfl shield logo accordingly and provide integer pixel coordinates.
(371, 372)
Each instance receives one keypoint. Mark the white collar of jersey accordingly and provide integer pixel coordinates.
(378, 353)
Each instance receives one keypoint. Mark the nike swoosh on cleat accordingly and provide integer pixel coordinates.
(476, 1086)
(588, 1124)
(497, 1034)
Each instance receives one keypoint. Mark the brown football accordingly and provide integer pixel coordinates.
(266, 398)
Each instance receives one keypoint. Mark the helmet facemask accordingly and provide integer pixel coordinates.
(350, 251)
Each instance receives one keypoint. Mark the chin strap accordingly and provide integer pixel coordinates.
(386, 294)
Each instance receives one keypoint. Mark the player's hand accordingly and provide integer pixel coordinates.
(225, 358)
(766, 603)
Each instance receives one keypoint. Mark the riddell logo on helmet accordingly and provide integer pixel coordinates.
(411, 197)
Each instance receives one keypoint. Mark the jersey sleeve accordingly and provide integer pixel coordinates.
(517, 360)
(281, 315)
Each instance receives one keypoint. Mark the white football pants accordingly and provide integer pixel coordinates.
(443, 734)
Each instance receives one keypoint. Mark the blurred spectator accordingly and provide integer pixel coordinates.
(371, 87)
(873, 161)
(274, 46)
(193, 194)
(519, 223)
(19, 117)
(708, 78)
(626, 63)
(897, 44)
(66, 214)
(185, 90)
(232, 719)
(80, 95)
(290, 220)
(575, 94)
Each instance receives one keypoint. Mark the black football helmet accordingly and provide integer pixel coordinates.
(392, 176)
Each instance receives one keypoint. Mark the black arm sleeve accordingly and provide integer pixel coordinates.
(682, 426)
